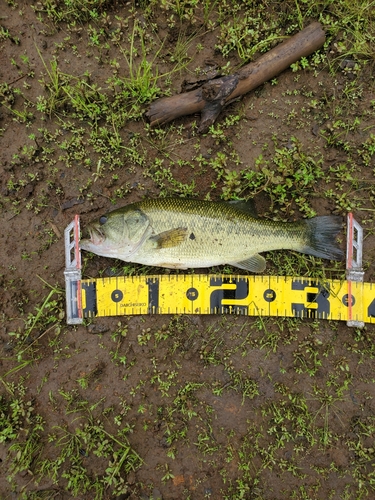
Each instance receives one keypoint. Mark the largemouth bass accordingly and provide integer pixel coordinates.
(180, 234)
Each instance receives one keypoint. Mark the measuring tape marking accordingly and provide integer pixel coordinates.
(212, 294)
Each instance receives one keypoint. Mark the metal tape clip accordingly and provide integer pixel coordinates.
(73, 273)
(354, 270)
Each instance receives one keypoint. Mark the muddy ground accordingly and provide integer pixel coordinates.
(211, 406)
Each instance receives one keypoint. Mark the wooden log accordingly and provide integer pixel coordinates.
(213, 95)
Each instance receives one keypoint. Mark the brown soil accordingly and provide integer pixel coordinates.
(215, 356)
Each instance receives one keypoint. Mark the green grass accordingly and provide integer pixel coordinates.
(262, 407)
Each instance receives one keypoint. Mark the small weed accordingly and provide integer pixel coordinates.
(239, 403)
(293, 174)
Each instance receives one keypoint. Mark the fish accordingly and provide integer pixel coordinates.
(181, 233)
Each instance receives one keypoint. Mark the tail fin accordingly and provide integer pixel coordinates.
(321, 236)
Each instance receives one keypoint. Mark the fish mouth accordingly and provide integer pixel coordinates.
(93, 234)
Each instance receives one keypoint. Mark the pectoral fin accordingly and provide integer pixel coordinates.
(170, 238)
(255, 264)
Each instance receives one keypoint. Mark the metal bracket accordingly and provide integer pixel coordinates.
(73, 274)
(354, 270)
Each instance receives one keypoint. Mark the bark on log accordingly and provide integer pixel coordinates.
(214, 94)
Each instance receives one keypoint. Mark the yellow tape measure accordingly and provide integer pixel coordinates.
(244, 295)
(350, 300)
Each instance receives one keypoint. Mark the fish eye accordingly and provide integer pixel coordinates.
(103, 220)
